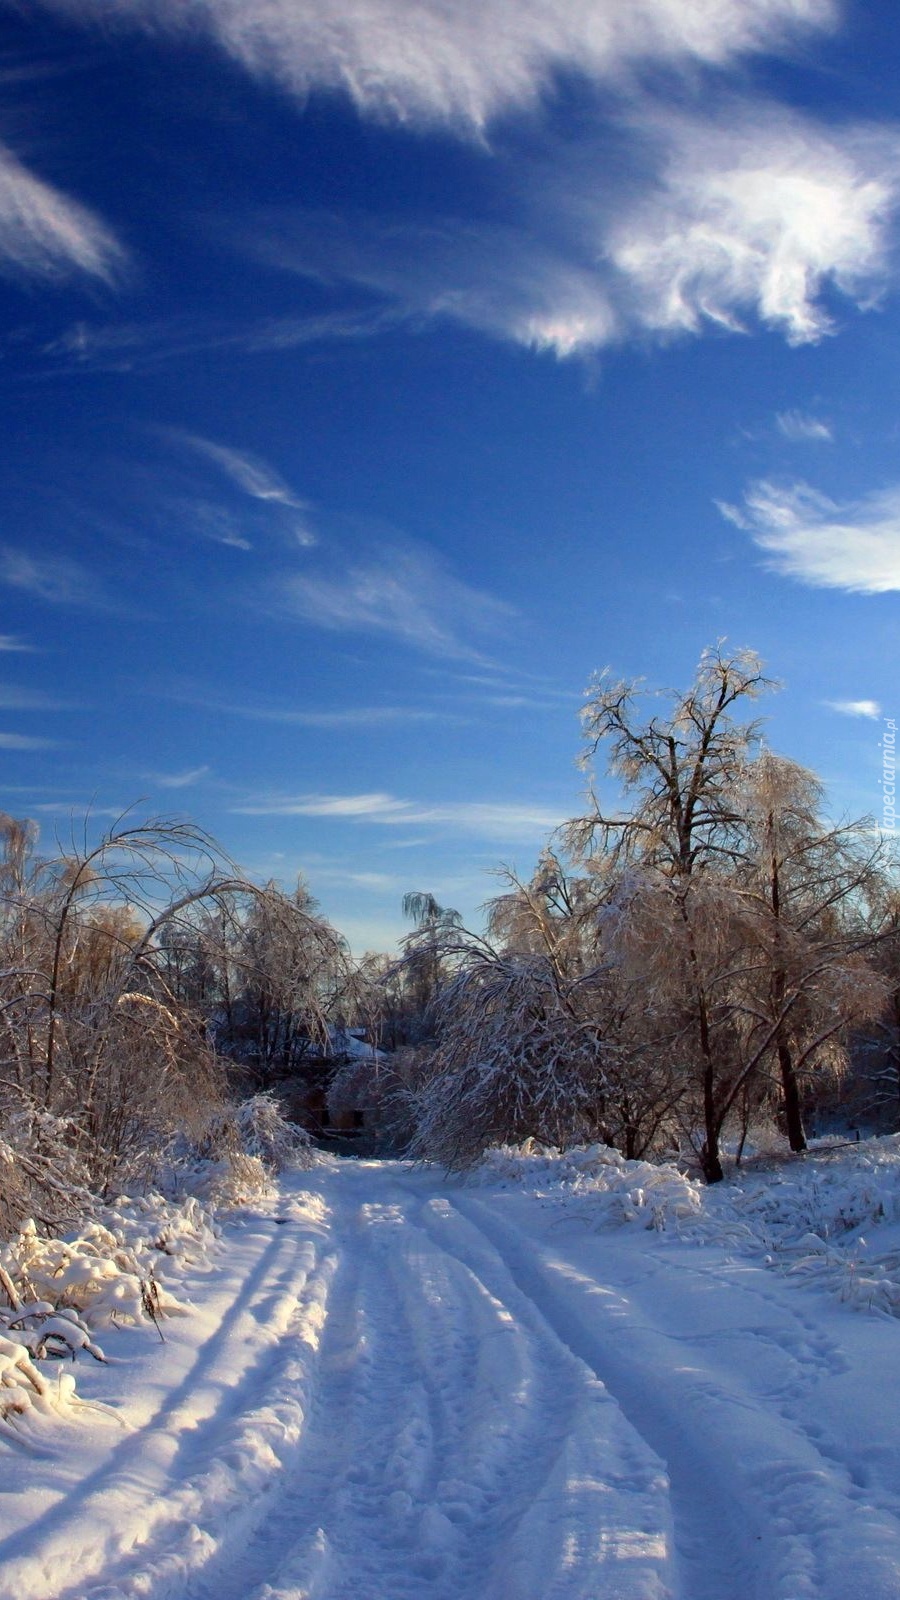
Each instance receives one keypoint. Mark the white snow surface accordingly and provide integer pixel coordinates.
(563, 1378)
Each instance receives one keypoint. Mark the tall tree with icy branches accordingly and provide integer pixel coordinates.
(812, 888)
(681, 771)
(747, 914)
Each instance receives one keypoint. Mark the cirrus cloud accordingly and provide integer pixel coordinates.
(26, 741)
(487, 817)
(855, 546)
(59, 580)
(856, 708)
(404, 590)
(46, 235)
(747, 215)
(756, 211)
(469, 62)
(800, 427)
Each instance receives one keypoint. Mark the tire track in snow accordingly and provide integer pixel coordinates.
(359, 1520)
(288, 1526)
(755, 1503)
(581, 1502)
(431, 1404)
(451, 1451)
(445, 1418)
(708, 1535)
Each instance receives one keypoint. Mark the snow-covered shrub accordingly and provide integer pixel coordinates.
(55, 1292)
(93, 1273)
(42, 1173)
(763, 1140)
(24, 1388)
(256, 1128)
(233, 1180)
(181, 1230)
(265, 1132)
(47, 1331)
(105, 1054)
(233, 1158)
(604, 1186)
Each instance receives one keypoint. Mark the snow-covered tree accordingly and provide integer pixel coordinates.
(680, 773)
(810, 887)
(516, 1055)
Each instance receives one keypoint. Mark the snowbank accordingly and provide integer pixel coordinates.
(616, 1190)
(832, 1215)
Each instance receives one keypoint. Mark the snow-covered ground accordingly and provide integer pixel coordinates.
(567, 1378)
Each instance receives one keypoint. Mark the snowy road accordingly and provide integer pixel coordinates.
(398, 1387)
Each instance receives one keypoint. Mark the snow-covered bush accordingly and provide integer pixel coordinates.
(106, 1059)
(265, 1132)
(258, 1128)
(42, 1173)
(94, 1273)
(56, 1292)
(240, 1148)
(47, 1331)
(608, 1188)
(24, 1388)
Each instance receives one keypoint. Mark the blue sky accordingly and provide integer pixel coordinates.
(375, 372)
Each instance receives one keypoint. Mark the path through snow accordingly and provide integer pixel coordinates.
(400, 1387)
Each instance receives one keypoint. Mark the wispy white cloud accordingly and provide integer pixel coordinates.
(346, 877)
(753, 212)
(79, 809)
(217, 523)
(468, 62)
(256, 480)
(675, 220)
(10, 642)
(506, 281)
(246, 470)
(143, 346)
(374, 882)
(403, 590)
(26, 741)
(295, 332)
(359, 716)
(506, 687)
(856, 708)
(800, 427)
(493, 819)
(46, 235)
(808, 536)
(370, 807)
(111, 347)
(521, 702)
(346, 717)
(743, 215)
(178, 780)
(57, 579)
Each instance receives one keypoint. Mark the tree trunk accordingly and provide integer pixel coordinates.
(793, 1116)
(710, 1161)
